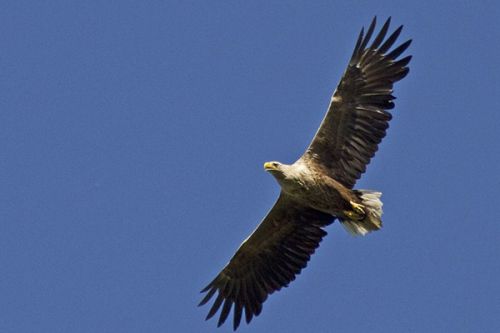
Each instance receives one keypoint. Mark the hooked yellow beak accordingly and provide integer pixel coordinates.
(269, 166)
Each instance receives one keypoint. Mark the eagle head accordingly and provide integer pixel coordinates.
(273, 166)
(277, 169)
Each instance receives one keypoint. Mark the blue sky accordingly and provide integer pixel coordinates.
(132, 141)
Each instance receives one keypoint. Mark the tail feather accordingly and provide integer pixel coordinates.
(373, 210)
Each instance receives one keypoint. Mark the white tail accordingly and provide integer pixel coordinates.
(373, 210)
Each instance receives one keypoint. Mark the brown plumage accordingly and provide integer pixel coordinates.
(317, 188)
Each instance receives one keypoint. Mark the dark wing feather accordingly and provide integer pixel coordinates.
(357, 119)
(268, 260)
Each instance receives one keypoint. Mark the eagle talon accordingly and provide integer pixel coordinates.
(358, 208)
(357, 212)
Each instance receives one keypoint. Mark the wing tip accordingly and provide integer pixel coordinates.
(363, 39)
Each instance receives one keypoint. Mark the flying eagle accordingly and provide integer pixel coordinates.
(317, 188)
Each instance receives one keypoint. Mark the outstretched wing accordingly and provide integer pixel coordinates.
(357, 119)
(268, 260)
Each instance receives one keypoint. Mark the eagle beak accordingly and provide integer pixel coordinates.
(269, 166)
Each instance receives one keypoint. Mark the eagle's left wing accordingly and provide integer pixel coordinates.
(357, 119)
(268, 260)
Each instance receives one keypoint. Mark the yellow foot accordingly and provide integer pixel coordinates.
(358, 208)
(357, 212)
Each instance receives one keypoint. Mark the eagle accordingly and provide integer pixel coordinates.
(318, 187)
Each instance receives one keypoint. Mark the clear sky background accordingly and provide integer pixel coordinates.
(133, 136)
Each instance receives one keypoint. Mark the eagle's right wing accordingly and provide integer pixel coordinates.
(268, 260)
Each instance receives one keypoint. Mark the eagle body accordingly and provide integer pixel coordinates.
(318, 189)
(312, 188)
